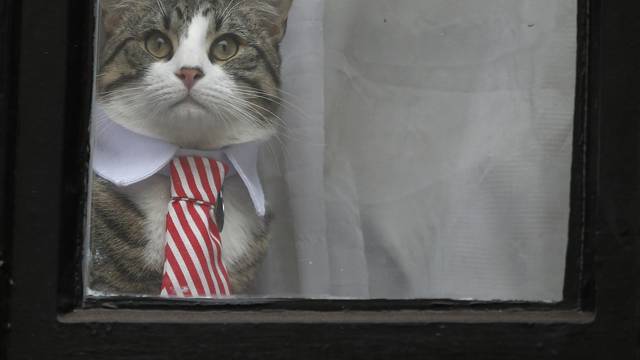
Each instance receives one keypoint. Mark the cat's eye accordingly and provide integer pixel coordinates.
(158, 45)
(224, 48)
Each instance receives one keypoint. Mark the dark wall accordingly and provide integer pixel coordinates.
(7, 110)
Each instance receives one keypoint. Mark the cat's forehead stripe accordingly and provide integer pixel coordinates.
(197, 28)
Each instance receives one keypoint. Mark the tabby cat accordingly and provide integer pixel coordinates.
(200, 74)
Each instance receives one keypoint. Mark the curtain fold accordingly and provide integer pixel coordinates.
(426, 150)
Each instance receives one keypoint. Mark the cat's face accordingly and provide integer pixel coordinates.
(197, 73)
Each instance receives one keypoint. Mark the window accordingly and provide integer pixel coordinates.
(49, 319)
(415, 150)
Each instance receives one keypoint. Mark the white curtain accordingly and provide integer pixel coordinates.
(427, 150)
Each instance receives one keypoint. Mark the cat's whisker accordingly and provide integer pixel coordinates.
(230, 100)
(276, 100)
(225, 10)
(131, 90)
(239, 112)
(230, 9)
(280, 91)
(274, 120)
(163, 10)
(254, 105)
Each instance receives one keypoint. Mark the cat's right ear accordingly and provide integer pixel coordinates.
(279, 28)
(111, 14)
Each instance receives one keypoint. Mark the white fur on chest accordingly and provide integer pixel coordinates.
(240, 223)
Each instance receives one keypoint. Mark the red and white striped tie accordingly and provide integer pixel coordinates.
(193, 265)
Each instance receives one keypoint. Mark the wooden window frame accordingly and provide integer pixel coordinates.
(46, 72)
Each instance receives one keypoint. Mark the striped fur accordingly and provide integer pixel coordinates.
(235, 101)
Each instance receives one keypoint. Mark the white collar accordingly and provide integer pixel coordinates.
(124, 157)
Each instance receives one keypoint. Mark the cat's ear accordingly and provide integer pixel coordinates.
(111, 15)
(279, 27)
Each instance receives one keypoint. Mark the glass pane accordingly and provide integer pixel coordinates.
(404, 149)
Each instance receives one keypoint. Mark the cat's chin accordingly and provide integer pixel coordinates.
(190, 125)
(199, 129)
(188, 108)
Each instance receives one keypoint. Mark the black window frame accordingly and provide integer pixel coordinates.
(46, 55)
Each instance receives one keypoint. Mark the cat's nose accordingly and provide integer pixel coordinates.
(189, 76)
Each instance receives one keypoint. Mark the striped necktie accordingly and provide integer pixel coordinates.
(193, 265)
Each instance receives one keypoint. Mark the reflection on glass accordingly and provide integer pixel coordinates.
(332, 149)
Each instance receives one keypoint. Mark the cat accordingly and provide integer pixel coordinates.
(225, 55)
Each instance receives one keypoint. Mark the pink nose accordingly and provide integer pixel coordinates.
(189, 76)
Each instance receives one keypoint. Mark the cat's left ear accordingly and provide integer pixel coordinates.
(279, 27)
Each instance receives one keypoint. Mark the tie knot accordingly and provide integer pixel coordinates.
(197, 178)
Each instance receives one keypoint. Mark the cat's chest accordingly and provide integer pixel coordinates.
(152, 198)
